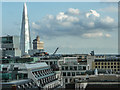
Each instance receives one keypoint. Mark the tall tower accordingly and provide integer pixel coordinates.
(25, 40)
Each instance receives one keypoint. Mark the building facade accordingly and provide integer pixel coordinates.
(10, 46)
(71, 68)
(37, 44)
(25, 40)
(40, 73)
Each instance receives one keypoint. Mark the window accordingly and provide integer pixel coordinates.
(111, 66)
(73, 73)
(115, 63)
(66, 68)
(114, 66)
(66, 80)
(111, 63)
(62, 68)
(71, 68)
(84, 67)
(79, 67)
(64, 73)
(75, 67)
(68, 73)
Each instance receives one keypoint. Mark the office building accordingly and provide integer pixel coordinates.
(10, 46)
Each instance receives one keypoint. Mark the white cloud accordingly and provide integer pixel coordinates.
(93, 35)
(92, 12)
(65, 23)
(35, 26)
(73, 11)
(107, 35)
(107, 20)
(61, 16)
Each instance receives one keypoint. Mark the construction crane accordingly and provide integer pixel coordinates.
(56, 50)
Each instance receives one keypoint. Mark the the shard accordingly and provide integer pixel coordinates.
(25, 41)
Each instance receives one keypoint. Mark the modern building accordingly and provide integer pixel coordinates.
(25, 40)
(10, 46)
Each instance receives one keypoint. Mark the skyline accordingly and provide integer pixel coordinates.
(67, 16)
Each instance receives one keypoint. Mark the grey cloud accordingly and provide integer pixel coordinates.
(73, 23)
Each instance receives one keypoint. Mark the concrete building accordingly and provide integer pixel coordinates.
(94, 82)
(25, 40)
(37, 44)
(10, 46)
(108, 64)
(104, 62)
(38, 47)
(71, 68)
(40, 73)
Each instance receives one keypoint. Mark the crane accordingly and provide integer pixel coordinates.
(56, 50)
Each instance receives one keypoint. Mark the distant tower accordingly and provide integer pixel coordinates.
(25, 41)
(37, 44)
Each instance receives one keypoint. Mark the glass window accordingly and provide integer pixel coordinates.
(66, 80)
(84, 67)
(64, 73)
(73, 73)
(68, 73)
(71, 68)
(62, 67)
(66, 68)
(79, 67)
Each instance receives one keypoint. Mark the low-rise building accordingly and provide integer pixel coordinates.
(71, 68)
(40, 73)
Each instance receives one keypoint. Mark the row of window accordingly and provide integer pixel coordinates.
(42, 72)
(107, 63)
(47, 80)
(73, 68)
(72, 73)
(52, 62)
(107, 67)
(27, 85)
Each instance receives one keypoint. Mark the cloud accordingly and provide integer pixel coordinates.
(96, 35)
(73, 11)
(107, 35)
(74, 23)
(92, 35)
(92, 12)
(110, 9)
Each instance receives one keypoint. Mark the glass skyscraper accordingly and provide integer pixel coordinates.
(25, 40)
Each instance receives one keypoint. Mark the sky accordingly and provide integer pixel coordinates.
(74, 27)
